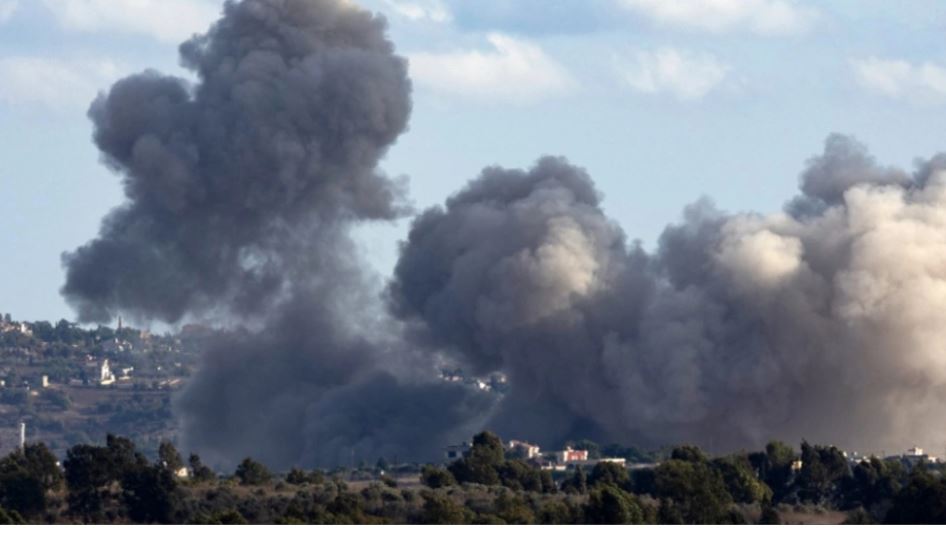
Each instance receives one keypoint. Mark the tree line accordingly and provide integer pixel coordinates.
(115, 483)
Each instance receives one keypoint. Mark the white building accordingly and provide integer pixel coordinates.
(106, 377)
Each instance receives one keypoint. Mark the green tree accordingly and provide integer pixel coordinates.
(513, 510)
(688, 453)
(441, 510)
(87, 474)
(169, 458)
(151, 495)
(250, 472)
(922, 501)
(577, 483)
(518, 475)
(609, 473)
(480, 466)
(823, 469)
(436, 478)
(774, 466)
(608, 504)
(199, 471)
(741, 480)
(697, 491)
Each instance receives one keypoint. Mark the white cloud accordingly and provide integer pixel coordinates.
(924, 82)
(7, 8)
(170, 21)
(514, 70)
(764, 17)
(54, 83)
(433, 10)
(686, 75)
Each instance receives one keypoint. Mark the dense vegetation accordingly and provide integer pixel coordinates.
(115, 483)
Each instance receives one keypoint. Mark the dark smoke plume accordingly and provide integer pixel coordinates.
(822, 321)
(296, 102)
(241, 193)
(819, 323)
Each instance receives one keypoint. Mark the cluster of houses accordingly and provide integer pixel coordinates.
(9, 326)
(557, 461)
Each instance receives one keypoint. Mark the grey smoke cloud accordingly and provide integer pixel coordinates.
(819, 322)
(296, 102)
(241, 192)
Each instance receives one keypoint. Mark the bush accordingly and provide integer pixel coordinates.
(250, 472)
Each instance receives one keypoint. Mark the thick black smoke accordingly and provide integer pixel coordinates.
(823, 322)
(242, 190)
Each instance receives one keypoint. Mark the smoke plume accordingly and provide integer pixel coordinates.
(822, 321)
(242, 190)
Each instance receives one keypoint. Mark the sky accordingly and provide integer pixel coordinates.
(662, 101)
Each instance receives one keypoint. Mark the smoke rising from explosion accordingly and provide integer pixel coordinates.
(822, 321)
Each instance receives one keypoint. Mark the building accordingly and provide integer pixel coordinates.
(458, 451)
(568, 455)
(915, 456)
(522, 449)
(44, 381)
(106, 377)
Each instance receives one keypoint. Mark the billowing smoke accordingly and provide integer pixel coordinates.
(823, 322)
(242, 190)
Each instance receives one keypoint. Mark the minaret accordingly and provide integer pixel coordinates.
(22, 436)
(119, 324)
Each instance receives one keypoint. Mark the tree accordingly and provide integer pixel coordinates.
(518, 475)
(436, 478)
(250, 472)
(608, 504)
(513, 510)
(741, 482)
(297, 476)
(922, 501)
(151, 495)
(697, 491)
(609, 473)
(169, 458)
(775, 467)
(488, 449)
(688, 453)
(441, 510)
(823, 469)
(577, 483)
(481, 464)
(198, 470)
(38, 462)
(87, 472)
(20, 491)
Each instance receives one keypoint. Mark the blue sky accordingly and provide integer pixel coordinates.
(663, 101)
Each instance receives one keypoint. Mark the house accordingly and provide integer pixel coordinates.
(915, 456)
(458, 451)
(522, 449)
(568, 455)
